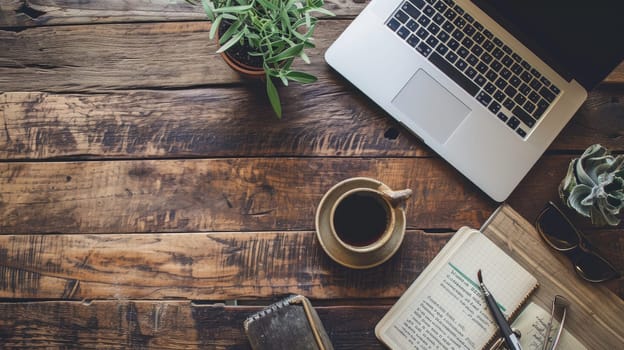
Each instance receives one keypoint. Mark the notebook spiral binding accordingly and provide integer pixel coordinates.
(274, 307)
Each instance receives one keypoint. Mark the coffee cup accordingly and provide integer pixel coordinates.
(360, 222)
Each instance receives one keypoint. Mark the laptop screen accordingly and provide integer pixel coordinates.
(580, 39)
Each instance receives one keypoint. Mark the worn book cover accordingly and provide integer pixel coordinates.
(291, 323)
(444, 307)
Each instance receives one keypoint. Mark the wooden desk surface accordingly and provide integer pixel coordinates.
(143, 184)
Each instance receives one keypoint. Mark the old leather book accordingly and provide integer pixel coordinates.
(291, 323)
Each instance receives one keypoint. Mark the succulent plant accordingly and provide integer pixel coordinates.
(594, 185)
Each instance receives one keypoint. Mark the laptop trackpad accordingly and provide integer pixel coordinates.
(430, 106)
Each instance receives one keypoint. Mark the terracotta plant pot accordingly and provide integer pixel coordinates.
(240, 67)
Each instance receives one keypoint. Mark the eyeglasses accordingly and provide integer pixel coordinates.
(558, 313)
(557, 230)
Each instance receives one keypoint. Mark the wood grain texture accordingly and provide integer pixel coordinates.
(118, 56)
(111, 57)
(246, 194)
(599, 120)
(225, 207)
(617, 76)
(121, 56)
(162, 325)
(26, 13)
(214, 266)
(327, 120)
(595, 317)
(230, 194)
(219, 122)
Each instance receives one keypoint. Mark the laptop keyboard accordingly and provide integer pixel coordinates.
(482, 64)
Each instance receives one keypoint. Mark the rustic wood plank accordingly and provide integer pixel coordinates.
(22, 13)
(162, 325)
(231, 194)
(26, 13)
(121, 56)
(595, 316)
(599, 120)
(214, 266)
(319, 120)
(247, 194)
(117, 56)
(219, 122)
(110, 57)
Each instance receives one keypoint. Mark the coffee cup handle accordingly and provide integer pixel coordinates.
(396, 197)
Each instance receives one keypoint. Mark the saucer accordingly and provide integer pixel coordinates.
(335, 250)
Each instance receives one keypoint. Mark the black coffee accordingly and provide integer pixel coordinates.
(360, 219)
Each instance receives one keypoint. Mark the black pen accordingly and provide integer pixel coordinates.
(510, 338)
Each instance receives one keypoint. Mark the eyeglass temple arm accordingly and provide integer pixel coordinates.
(557, 301)
(556, 341)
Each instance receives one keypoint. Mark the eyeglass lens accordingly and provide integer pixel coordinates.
(557, 230)
(594, 268)
(561, 235)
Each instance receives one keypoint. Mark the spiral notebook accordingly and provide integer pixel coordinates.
(444, 307)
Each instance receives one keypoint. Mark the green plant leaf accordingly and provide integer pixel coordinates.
(316, 3)
(286, 42)
(233, 9)
(298, 23)
(252, 38)
(273, 97)
(301, 77)
(576, 197)
(290, 4)
(268, 5)
(229, 16)
(321, 10)
(232, 30)
(299, 36)
(233, 41)
(288, 53)
(304, 57)
(208, 6)
(215, 26)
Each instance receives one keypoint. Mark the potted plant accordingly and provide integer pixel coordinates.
(594, 185)
(262, 38)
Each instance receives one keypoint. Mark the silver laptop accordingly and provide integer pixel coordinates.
(486, 84)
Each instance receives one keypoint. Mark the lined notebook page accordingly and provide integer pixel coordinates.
(445, 309)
